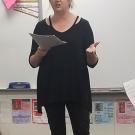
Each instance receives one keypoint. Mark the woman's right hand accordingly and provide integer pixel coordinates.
(42, 51)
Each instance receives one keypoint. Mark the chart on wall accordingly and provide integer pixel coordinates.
(29, 7)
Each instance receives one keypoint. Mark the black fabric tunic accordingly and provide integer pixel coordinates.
(63, 74)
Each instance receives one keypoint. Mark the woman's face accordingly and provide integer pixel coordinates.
(60, 5)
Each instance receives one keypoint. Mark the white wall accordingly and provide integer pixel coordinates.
(15, 44)
(113, 24)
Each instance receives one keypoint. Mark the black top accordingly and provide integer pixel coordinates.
(63, 74)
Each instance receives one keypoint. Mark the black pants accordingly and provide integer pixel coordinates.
(79, 116)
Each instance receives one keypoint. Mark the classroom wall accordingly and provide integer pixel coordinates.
(113, 25)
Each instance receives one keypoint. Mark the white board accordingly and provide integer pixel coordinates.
(112, 22)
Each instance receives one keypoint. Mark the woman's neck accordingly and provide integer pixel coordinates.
(62, 16)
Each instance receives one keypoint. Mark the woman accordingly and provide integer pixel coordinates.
(63, 78)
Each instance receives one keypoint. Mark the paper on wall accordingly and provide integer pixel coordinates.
(130, 90)
(47, 41)
(125, 112)
(38, 118)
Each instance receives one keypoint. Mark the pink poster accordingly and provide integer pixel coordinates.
(9, 3)
(125, 112)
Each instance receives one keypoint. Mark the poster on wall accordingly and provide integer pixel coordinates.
(29, 7)
(21, 111)
(103, 112)
(125, 112)
(37, 117)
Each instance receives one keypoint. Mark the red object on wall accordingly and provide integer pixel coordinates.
(9, 3)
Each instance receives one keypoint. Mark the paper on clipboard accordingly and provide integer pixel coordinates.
(47, 41)
(130, 90)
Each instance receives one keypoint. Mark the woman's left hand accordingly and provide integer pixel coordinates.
(92, 48)
(92, 57)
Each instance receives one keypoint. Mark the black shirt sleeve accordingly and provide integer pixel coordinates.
(34, 44)
(88, 38)
(88, 35)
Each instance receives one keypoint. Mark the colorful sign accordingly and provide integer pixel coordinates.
(125, 112)
(21, 111)
(103, 112)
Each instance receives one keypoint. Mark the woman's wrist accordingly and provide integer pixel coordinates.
(41, 52)
(38, 54)
(92, 58)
